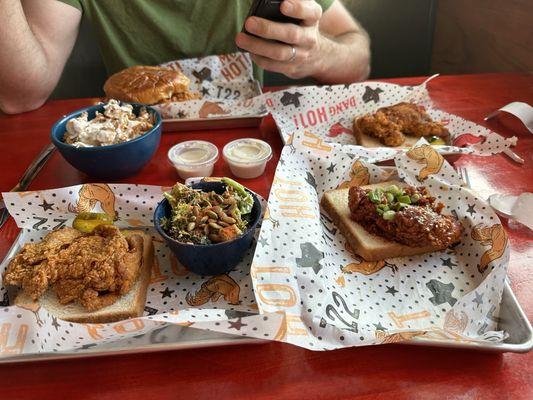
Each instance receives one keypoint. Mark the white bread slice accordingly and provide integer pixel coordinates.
(370, 247)
(130, 305)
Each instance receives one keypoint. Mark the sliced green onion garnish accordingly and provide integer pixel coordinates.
(388, 215)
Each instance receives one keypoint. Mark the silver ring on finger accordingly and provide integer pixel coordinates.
(293, 55)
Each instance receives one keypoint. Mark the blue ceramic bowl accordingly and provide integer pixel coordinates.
(210, 259)
(109, 162)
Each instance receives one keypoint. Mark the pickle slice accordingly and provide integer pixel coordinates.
(87, 221)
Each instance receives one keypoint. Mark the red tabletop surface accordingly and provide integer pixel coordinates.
(276, 370)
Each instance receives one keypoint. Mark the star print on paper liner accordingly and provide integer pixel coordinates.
(166, 293)
(55, 324)
(311, 257)
(204, 91)
(371, 94)
(46, 206)
(447, 262)
(263, 242)
(203, 75)
(236, 324)
(442, 292)
(392, 290)
(331, 168)
(478, 298)
(310, 179)
(289, 98)
(471, 209)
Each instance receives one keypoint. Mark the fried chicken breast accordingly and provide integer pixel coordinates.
(390, 124)
(93, 270)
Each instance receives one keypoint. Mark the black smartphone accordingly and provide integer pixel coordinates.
(269, 9)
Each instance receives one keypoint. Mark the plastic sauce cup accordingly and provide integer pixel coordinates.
(193, 158)
(247, 158)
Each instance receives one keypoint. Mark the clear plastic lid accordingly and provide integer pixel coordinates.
(247, 151)
(193, 153)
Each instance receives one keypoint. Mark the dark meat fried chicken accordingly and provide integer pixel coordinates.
(93, 270)
(390, 124)
(414, 225)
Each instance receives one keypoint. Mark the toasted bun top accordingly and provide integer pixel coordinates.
(145, 84)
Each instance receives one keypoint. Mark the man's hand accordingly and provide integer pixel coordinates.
(330, 47)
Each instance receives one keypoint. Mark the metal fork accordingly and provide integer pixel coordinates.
(28, 176)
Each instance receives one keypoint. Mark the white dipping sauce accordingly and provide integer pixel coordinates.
(194, 158)
(247, 158)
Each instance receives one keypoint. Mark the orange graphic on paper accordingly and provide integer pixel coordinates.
(92, 193)
(34, 308)
(157, 275)
(315, 142)
(426, 154)
(288, 301)
(211, 108)
(400, 319)
(128, 326)
(20, 339)
(359, 176)
(365, 267)
(213, 289)
(287, 327)
(92, 330)
(135, 222)
(455, 323)
(255, 270)
(387, 338)
(290, 211)
(268, 217)
(341, 281)
(495, 237)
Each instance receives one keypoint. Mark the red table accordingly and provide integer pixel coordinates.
(275, 370)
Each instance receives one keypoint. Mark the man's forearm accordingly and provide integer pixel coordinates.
(22, 59)
(345, 58)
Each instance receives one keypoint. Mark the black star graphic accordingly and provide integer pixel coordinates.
(203, 75)
(282, 161)
(442, 292)
(371, 94)
(46, 206)
(166, 293)
(88, 346)
(291, 98)
(328, 88)
(448, 262)
(205, 91)
(471, 210)
(391, 290)
(380, 327)
(311, 180)
(236, 324)
(55, 324)
(311, 257)
(478, 299)
(263, 242)
(181, 114)
(331, 168)
(347, 85)
(150, 310)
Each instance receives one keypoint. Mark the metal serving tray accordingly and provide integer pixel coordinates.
(220, 122)
(174, 337)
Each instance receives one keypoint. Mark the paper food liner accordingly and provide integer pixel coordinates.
(227, 86)
(328, 112)
(330, 298)
(175, 295)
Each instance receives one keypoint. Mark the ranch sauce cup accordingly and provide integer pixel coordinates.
(194, 158)
(247, 158)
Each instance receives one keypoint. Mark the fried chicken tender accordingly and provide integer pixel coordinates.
(390, 124)
(93, 270)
